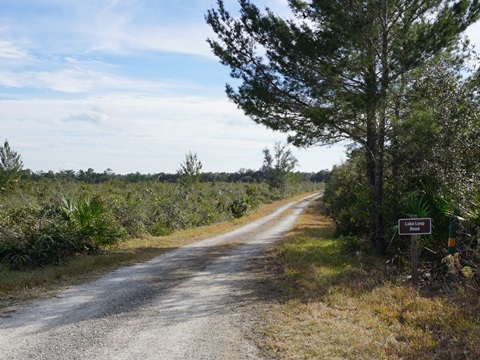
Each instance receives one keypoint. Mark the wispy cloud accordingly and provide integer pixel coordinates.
(137, 129)
(94, 116)
(72, 76)
(109, 27)
(9, 50)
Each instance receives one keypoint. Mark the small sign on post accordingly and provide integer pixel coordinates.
(414, 227)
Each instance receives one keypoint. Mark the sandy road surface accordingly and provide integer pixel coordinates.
(181, 305)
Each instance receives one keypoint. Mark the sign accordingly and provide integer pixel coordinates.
(415, 226)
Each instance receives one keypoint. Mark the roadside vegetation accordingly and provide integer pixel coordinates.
(328, 300)
(58, 227)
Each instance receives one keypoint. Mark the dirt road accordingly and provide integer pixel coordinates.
(184, 304)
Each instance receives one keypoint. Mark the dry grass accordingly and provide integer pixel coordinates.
(331, 305)
(21, 286)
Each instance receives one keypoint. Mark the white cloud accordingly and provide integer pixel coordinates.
(473, 33)
(9, 50)
(65, 80)
(129, 133)
(83, 78)
(93, 116)
(182, 39)
(10, 79)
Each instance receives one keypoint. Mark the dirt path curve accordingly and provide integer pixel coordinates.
(184, 304)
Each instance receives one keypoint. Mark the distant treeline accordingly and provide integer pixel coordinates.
(90, 176)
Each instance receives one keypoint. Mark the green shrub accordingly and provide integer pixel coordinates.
(90, 221)
(160, 230)
(239, 207)
(349, 200)
(352, 244)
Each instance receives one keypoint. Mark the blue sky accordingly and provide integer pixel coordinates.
(129, 85)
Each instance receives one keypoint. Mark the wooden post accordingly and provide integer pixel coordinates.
(414, 227)
(414, 256)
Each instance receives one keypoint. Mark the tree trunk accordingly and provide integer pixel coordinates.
(371, 146)
(379, 220)
(382, 118)
(370, 150)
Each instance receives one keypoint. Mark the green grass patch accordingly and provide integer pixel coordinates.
(334, 303)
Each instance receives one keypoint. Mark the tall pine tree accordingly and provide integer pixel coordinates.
(327, 74)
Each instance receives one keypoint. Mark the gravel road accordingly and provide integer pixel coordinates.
(184, 304)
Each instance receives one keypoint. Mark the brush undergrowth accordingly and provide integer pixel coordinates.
(49, 222)
(334, 303)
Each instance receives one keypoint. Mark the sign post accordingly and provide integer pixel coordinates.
(414, 256)
(414, 227)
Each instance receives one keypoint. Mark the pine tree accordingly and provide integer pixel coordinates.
(10, 165)
(327, 74)
(190, 170)
(278, 166)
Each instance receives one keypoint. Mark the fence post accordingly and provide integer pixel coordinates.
(452, 238)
